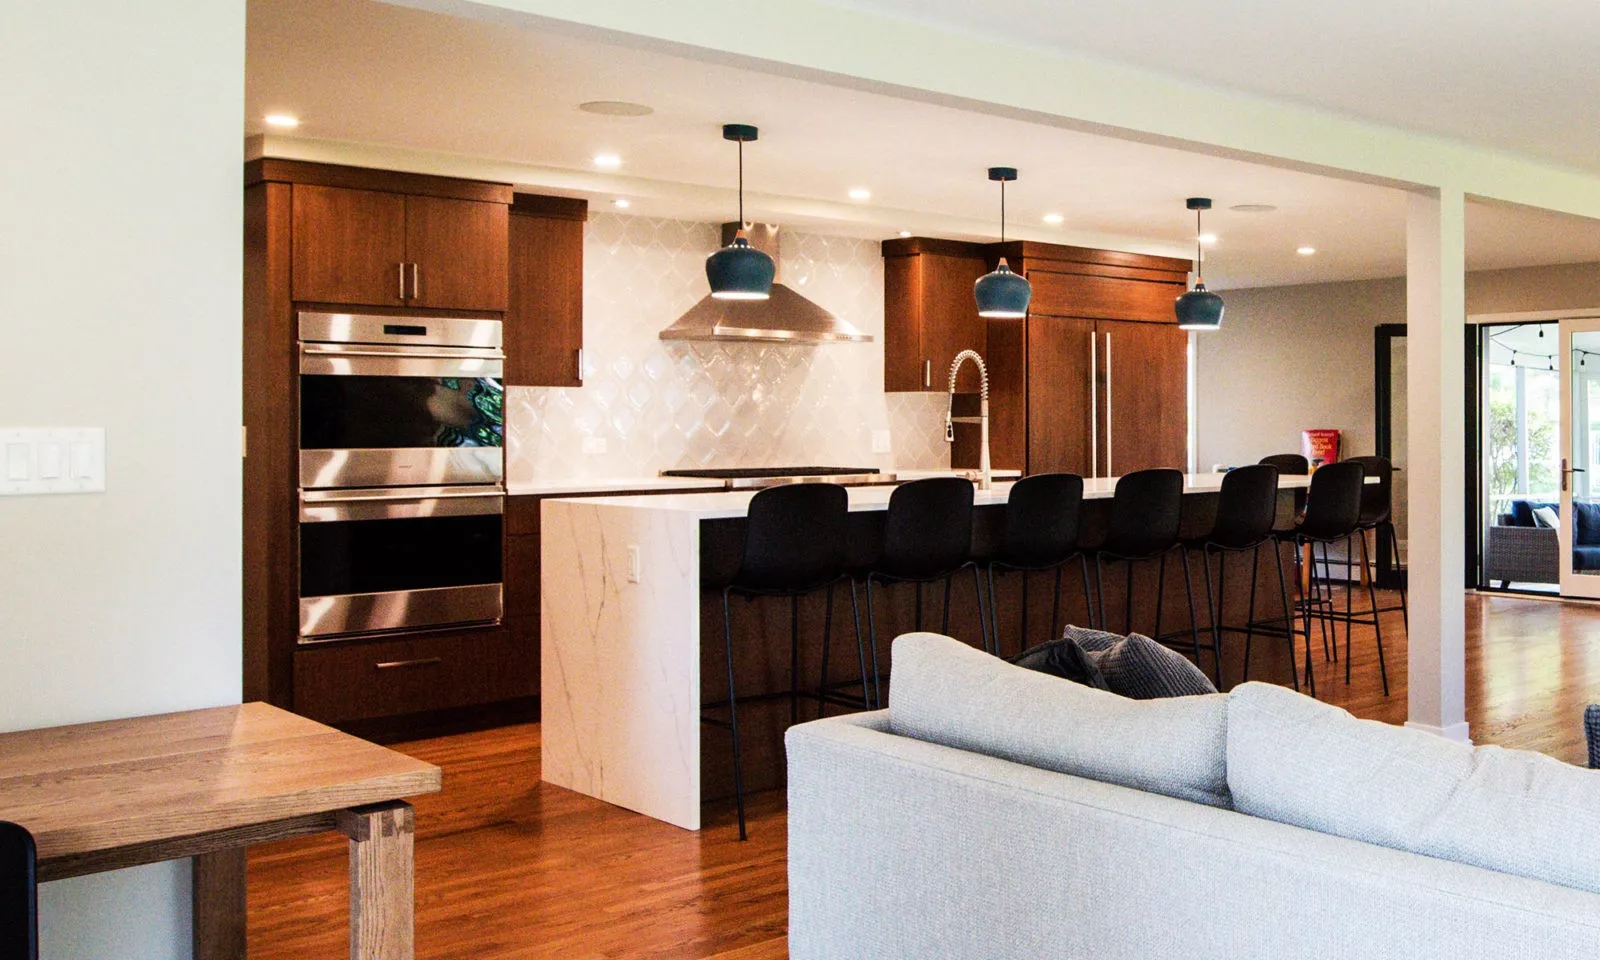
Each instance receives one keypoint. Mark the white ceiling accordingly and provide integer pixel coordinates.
(460, 92)
(1516, 75)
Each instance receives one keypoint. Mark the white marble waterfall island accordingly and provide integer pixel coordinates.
(621, 638)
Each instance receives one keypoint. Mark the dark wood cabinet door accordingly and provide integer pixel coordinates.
(1144, 394)
(460, 250)
(349, 245)
(950, 321)
(902, 324)
(1061, 401)
(544, 317)
(1104, 298)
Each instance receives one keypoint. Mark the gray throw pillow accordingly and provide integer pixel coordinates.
(1134, 666)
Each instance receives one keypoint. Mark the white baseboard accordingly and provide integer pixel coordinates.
(1456, 731)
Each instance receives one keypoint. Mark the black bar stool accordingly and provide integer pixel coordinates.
(1042, 515)
(1377, 517)
(1288, 464)
(794, 545)
(1247, 505)
(1333, 509)
(19, 896)
(1146, 510)
(927, 536)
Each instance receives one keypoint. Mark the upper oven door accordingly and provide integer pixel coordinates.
(382, 414)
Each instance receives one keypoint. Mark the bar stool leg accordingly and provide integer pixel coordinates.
(1127, 601)
(1349, 597)
(861, 650)
(733, 713)
(1211, 610)
(983, 620)
(1377, 630)
(1194, 621)
(872, 638)
(1100, 588)
(1055, 609)
(1250, 614)
(944, 624)
(994, 616)
(1288, 621)
(1394, 544)
(827, 647)
(1088, 598)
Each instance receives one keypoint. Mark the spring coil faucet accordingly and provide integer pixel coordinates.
(985, 479)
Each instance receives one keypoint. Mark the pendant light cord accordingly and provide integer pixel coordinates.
(1199, 251)
(741, 184)
(1002, 211)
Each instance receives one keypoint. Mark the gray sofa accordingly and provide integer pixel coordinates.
(904, 848)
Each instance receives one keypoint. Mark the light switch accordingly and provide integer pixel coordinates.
(18, 461)
(49, 454)
(880, 441)
(53, 460)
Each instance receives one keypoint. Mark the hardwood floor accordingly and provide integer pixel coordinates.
(508, 867)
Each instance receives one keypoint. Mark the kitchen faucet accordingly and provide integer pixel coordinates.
(985, 479)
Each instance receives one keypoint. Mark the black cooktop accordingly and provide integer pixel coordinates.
(750, 473)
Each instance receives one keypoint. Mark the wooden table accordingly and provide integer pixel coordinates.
(208, 783)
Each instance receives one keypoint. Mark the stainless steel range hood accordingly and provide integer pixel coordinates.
(785, 317)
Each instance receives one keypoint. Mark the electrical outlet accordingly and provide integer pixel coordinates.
(880, 441)
(594, 445)
(634, 563)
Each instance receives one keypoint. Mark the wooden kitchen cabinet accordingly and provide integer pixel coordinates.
(349, 245)
(1145, 393)
(929, 314)
(387, 239)
(1060, 395)
(544, 317)
(458, 253)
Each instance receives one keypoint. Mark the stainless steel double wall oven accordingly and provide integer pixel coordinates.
(402, 468)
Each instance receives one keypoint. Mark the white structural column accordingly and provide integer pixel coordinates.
(1435, 459)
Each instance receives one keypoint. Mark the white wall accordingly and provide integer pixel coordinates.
(120, 251)
(660, 404)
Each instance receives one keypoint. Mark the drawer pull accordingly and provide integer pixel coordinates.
(423, 662)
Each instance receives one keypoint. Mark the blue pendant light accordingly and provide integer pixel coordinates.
(1002, 294)
(740, 271)
(1199, 309)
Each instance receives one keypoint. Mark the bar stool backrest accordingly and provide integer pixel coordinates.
(796, 538)
(19, 899)
(1333, 504)
(1146, 509)
(1247, 505)
(1376, 498)
(927, 529)
(1042, 516)
(1289, 464)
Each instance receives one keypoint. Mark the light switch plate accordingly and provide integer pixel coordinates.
(40, 460)
(880, 441)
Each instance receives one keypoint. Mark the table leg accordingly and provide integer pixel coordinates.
(381, 894)
(219, 905)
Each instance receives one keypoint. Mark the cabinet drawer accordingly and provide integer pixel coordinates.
(361, 681)
(1103, 298)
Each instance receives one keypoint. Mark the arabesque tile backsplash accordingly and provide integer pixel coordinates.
(661, 404)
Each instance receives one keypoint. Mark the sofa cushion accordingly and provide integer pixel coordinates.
(1133, 665)
(1586, 558)
(944, 691)
(1588, 528)
(1545, 517)
(1301, 762)
(1521, 513)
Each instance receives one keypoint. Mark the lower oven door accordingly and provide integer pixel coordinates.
(380, 561)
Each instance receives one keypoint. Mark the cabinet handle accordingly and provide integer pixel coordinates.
(397, 664)
(1110, 470)
(402, 281)
(927, 373)
(1094, 406)
(416, 281)
(580, 364)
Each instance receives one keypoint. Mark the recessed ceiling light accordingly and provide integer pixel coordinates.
(1305, 251)
(1053, 218)
(860, 193)
(616, 108)
(1208, 238)
(621, 203)
(1253, 207)
(607, 161)
(283, 120)
(905, 233)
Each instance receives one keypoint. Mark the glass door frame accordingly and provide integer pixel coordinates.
(1573, 583)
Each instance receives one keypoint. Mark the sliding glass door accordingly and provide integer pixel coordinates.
(1580, 458)
(1519, 458)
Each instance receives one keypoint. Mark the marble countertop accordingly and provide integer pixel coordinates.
(722, 504)
(550, 488)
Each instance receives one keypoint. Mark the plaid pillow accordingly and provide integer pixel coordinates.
(1134, 666)
(1591, 726)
